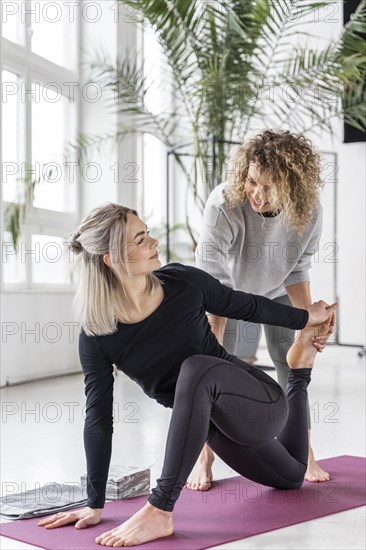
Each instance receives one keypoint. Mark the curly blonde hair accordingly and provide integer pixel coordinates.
(293, 165)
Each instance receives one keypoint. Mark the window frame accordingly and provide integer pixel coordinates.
(143, 181)
(31, 67)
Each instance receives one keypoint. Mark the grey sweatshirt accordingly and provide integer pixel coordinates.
(246, 253)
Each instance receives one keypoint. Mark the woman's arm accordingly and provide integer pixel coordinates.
(218, 325)
(299, 294)
(98, 426)
(220, 300)
(217, 235)
(300, 271)
(212, 252)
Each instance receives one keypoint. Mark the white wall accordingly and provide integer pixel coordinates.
(351, 240)
(39, 337)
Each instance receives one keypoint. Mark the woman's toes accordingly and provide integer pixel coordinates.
(106, 541)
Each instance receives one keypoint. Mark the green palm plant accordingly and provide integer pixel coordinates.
(232, 66)
(231, 72)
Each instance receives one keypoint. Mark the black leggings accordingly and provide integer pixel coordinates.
(246, 419)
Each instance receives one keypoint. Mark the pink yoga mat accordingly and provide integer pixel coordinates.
(233, 509)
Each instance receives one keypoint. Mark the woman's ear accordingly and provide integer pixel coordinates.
(106, 260)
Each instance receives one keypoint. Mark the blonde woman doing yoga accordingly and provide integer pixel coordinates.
(151, 323)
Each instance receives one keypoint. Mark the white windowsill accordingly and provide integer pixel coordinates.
(49, 290)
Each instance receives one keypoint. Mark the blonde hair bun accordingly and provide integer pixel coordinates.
(74, 244)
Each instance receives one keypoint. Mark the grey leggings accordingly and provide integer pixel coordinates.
(246, 419)
(279, 340)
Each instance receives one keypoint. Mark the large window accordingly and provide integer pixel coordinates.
(12, 122)
(40, 105)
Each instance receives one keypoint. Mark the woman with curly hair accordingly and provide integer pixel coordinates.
(150, 322)
(260, 229)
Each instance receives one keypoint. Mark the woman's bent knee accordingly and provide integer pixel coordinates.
(194, 365)
(193, 369)
(288, 485)
(297, 481)
(296, 484)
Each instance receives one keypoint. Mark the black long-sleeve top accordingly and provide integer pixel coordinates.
(152, 351)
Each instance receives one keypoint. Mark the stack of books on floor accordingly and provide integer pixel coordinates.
(42, 501)
(125, 482)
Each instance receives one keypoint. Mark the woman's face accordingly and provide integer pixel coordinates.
(141, 248)
(252, 187)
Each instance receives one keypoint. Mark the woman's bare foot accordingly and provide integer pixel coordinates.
(147, 524)
(315, 473)
(200, 478)
(302, 353)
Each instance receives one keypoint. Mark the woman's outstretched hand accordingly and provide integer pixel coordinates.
(322, 333)
(322, 329)
(83, 518)
(319, 312)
